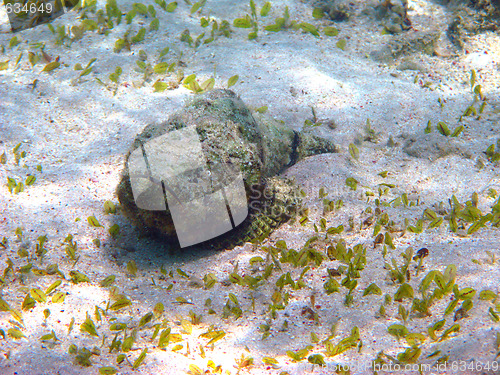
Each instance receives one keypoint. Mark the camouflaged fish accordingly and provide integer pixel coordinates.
(231, 135)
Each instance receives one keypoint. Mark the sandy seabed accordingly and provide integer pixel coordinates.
(79, 131)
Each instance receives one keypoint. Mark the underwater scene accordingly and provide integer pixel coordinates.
(249, 187)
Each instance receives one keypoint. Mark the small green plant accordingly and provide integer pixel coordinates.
(18, 155)
(83, 71)
(443, 129)
(478, 98)
(341, 44)
(4, 65)
(123, 43)
(249, 21)
(354, 152)
(71, 248)
(281, 23)
(492, 154)
(15, 185)
(232, 81)
(192, 84)
(114, 78)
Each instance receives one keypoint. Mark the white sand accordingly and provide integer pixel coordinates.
(80, 134)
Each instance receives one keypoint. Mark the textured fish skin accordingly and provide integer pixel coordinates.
(230, 133)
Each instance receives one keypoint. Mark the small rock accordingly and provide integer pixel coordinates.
(405, 44)
(337, 10)
(471, 18)
(433, 146)
(195, 282)
(409, 64)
